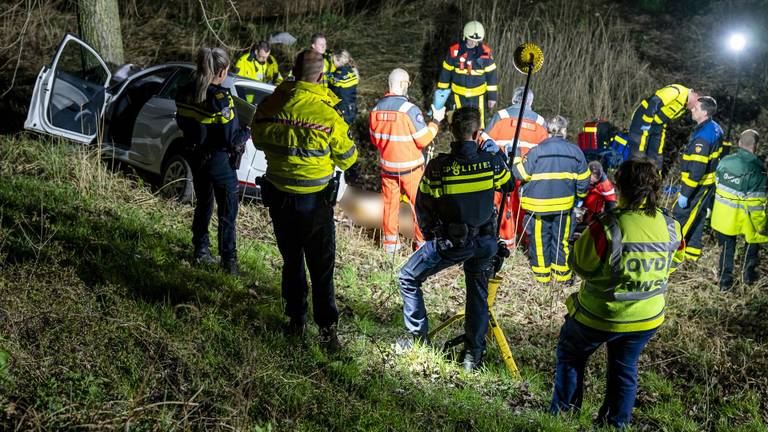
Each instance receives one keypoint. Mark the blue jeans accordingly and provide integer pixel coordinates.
(578, 342)
(306, 234)
(214, 177)
(427, 261)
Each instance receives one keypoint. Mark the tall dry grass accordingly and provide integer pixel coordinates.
(591, 68)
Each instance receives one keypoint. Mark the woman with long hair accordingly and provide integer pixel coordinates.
(624, 259)
(343, 82)
(206, 116)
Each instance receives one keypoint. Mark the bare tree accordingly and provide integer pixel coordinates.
(99, 23)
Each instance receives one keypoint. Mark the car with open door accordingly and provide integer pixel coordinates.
(131, 114)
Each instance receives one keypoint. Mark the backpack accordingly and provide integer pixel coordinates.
(596, 135)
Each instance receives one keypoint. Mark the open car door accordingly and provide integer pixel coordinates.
(70, 94)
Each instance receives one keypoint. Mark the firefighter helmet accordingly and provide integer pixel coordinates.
(474, 30)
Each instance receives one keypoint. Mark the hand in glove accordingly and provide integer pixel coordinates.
(682, 201)
(438, 114)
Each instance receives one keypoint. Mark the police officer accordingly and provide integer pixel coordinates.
(557, 179)
(624, 259)
(206, 116)
(469, 71)
(739, 208)
(455, 211)
(697, 172)
(303, 138)
(319, 44)
(648, 129)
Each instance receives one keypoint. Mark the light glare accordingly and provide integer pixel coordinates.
(737, 42)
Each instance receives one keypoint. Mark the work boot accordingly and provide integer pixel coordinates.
(471, 361)
(230, 267)
(295, 329)
(329, 339)
(406, 342)
(204, 257)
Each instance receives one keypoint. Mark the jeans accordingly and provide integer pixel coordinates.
(213, 177)
(427, 261)
(727, 253)
(577, 342)
(305, 233)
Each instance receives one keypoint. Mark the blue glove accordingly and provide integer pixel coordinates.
(682, 201)
(579, 203)
(441, 96)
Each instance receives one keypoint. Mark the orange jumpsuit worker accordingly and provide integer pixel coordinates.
(399, 131)
(501, 129)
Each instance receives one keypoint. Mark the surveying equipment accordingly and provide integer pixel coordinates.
(528, 59)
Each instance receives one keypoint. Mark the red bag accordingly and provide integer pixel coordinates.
(596, 134)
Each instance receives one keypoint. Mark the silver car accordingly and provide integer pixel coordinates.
(132, 114)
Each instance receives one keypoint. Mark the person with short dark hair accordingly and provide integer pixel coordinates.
(740, 201)
(206, 117)
(624, 259)
(697, 174)
(304, 139)
(455, 212)
(258, 64)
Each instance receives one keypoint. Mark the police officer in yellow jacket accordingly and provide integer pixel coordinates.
(697, 172)
(303, 138)
(320, 45)
(624, 259)
(257, 64)
(740, 208)
(455, 211)
(648, 129)
(469, 71)
(556, 178)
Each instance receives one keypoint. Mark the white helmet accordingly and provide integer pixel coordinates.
(474, 30)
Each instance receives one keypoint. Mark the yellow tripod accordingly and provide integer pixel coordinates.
(494, 330)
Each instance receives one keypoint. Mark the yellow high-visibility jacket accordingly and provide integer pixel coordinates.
(302, 136)
(741, 197)
(248, 67)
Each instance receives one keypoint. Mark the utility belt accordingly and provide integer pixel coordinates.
(460, 234)
(203, 153)
(386, 172)
(271, 196)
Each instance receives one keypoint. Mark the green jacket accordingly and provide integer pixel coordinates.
(625, 259)
(740, 197)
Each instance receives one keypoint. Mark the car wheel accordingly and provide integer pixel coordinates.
(177, 179)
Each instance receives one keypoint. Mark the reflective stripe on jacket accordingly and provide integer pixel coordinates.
(700, 157)
(666, 104)
(469, 72)
(210, 125)
(740, 197)
(343, 82)
(248, 66)
(399, 131)
(502, 127)
(459, 187)
(302, 137)
(625, 259)
(555, 173)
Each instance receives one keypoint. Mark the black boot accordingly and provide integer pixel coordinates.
(295, 329)
(230, 267)
(472, 362)
(329, 339)
(204, 256)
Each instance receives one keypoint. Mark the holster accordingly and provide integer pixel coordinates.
(460, 234)
(331, 192)
(236, 155)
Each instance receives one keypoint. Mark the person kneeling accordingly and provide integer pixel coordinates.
(455, 212)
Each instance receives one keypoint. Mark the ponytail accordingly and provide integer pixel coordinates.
(210, 62)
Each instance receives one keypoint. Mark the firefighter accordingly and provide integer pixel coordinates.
(469, 71)
(455, 212)
(697, 172)
(303, 137)
(648, 129)
(399, 131)
(343, 82)
(501, 129)
(557, 178)
(320, 45)
(206, 117)
(257, 64)
(624, 259)
(739, 208)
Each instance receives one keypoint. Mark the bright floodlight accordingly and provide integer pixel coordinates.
(737, 42)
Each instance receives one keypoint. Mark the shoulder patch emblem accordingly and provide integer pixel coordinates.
(697, 149)
(419, 118)
(220, 95)
(226, 112)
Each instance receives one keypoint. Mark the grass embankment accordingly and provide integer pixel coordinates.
(107, 326)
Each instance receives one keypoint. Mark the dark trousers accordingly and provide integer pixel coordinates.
(427, 261)
(649, 142)
(548, 245)
(693, 218)
(305, 233)
(576, 344)
(727, 253)
(213, 177)
(475, 101)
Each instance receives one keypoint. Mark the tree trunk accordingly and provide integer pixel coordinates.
(99, 22)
